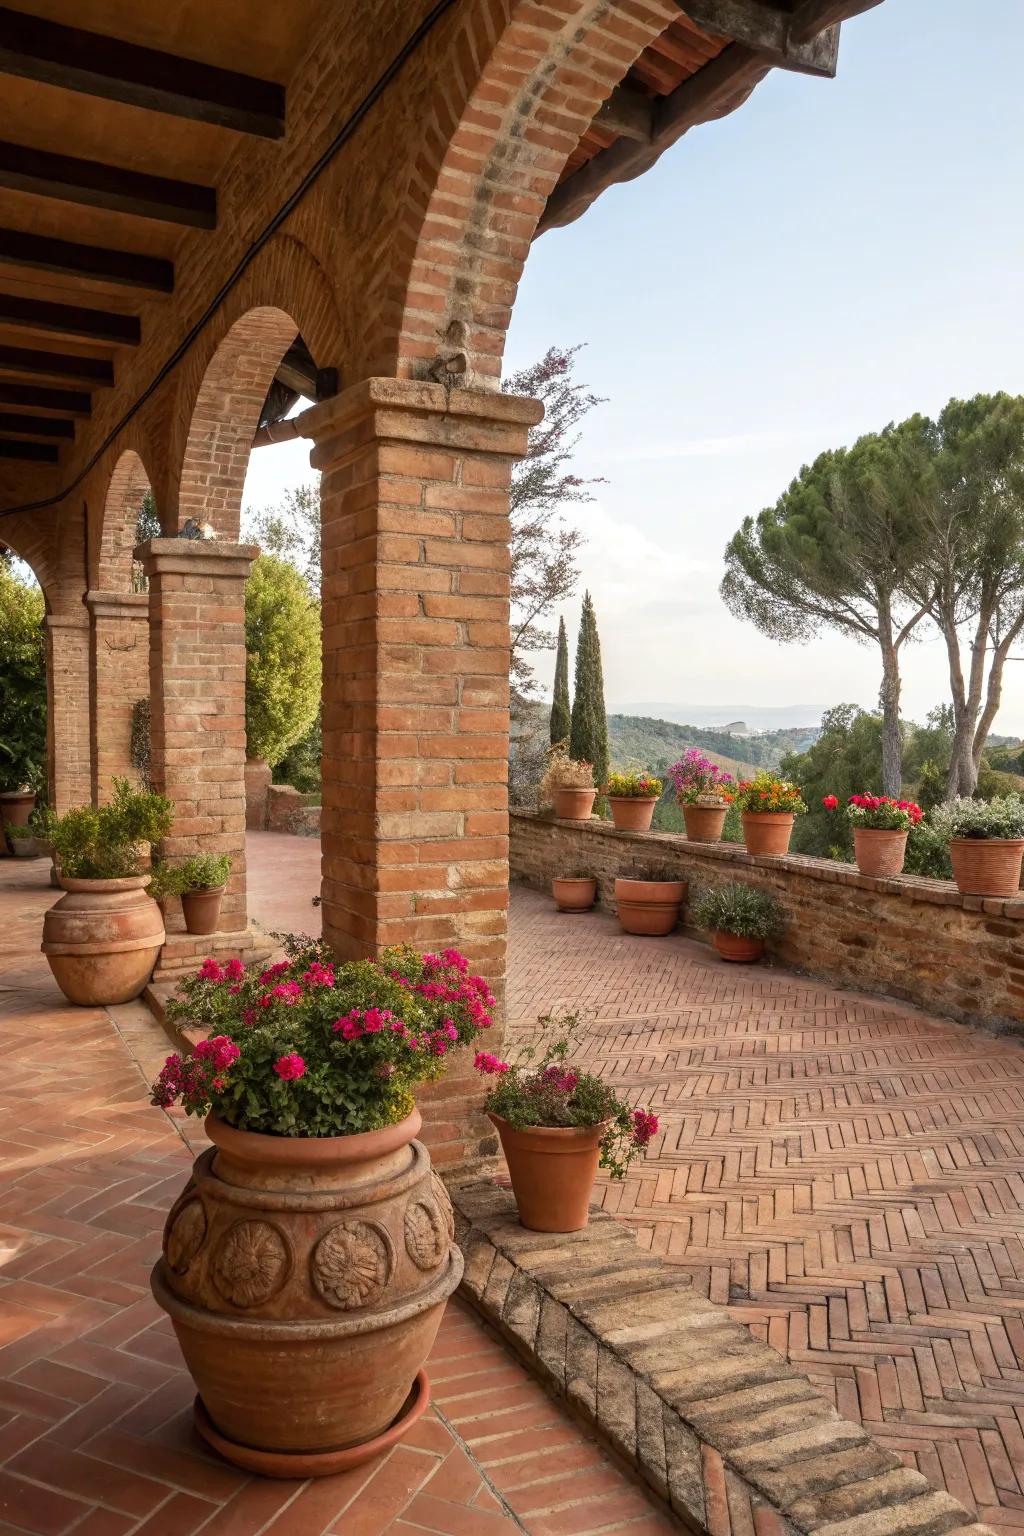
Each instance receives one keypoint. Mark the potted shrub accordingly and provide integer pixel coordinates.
(574, 893)
(704, 792)
(558, 1124)
(881, 826)
(200, 882)
(21, 778)
(632, 797)
(102, 938)
(769, 807)
(568, 786)
(307, 1262)
(986, 841)
(739, 918)
(648, 902)
(24, 842)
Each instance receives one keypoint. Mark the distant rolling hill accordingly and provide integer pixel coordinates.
(636, 741)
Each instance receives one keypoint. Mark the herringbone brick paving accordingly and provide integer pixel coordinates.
(845, 1172)
(95, 1406)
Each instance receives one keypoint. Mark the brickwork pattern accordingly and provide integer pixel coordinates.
(843, 1171)
(118, 678)
(68, 730)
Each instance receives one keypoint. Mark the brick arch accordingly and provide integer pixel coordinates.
(28, 540)
(492, 155)
(129, 482)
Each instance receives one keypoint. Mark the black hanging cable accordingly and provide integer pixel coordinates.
(248, 256)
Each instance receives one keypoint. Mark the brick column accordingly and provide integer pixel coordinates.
(118, 677)
(416, 683)
(67, 710)
(197, 700)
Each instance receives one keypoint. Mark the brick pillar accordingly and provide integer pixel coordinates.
(67, 710)
(197, 701)
(118, 677)
(416, 684)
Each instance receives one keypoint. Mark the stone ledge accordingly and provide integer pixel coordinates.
(717, 1423)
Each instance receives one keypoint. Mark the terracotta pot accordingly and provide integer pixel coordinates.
(574, 804)
(878, 852)
(572, 895)
(987, 866)
(306, 1279)
(767, 832)
(633, 813)
(733, 946)
(649, 907)
(202, 909)
(16, 806)
(704, 823)
(552, 1171)
(102, 939)
(26, 847)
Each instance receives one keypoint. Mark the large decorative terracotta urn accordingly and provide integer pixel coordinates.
(102, 939)
(306, 1279)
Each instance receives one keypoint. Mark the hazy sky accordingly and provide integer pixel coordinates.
(834, 255)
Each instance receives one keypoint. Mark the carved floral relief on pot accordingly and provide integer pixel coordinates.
(426, 1234)
(351, 1265)
(185, 1235)
(251, 1263)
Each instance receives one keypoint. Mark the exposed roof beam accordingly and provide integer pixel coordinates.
(767, 30)
(107, 186)
(69, 320)
(42, 453)
(29, 397)
(628, 113)
(34, 426)
(812, 16)
(77, 60)
(56, 365)
(70, 259)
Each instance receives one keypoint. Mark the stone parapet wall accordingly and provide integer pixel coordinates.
(908, 937)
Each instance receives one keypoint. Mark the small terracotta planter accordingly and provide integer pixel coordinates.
(767, 832)
(574, 804)
(102, 938)
(733, 946)
(573, 895)
(649, 907)
(878, 852)
(633, 813)
(201, 909)
(16, 806)
(987, 866)
(27, 847)
(704, 823)
(306, 1279)
(552, 1171)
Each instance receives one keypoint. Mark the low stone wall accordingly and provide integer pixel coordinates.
(911, 938)
(290, 811)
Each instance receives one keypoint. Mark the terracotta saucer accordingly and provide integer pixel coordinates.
(300, 1464)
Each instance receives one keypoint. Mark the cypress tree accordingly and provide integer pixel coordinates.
(588, 737)
(561, 718)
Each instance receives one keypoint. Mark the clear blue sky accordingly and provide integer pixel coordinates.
(834, 255)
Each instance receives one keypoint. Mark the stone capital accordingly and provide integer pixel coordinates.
(199, 558)
(118, 605)
(56, 621)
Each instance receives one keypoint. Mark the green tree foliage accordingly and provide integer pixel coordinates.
(291, 531)
(588, 734)
(22, 682)
(147, 524)
(282, 642)
(561, 710)
(845, 760)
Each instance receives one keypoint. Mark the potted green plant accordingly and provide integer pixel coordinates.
(102, 938)
(704, 792)
(986, 842)
(200, 882)
(881, 826)
(632, 797)
(569, 786)
(769, 807)
(307, 1262)
(648, 901)
(739, 918)
(558, 1123)
(574, 893)
(21, 779)
(24, 842)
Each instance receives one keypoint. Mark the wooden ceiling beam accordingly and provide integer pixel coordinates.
(809, 17)
(69, 320)
(56, 365)
(77, 60)
(69, 259)
(71, 402)
(628, 113)
(13, 424)
(40, 453)
(768, 30)
(107, 186)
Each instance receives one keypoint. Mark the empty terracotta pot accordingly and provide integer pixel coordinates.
(732, 946)
(631, 813)
(306, 1279)
(767, 832)
(102, 938)
(878, 852)
(649, 907)
(574, 804)
(574, 895)
(704, 823)
(987, 866)
(552, 1169)
(201, 909)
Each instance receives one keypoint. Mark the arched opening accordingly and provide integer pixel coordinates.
(25, 713)
(129, 518)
